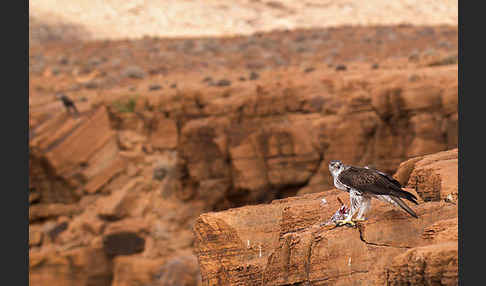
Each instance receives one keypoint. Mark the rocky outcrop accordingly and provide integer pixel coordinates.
(435, 177)
(244, 145)
(288, 243)
(80, 266)
(140, 239)
(127, 178)
(268, 139)
(162, 138)
(73, 156)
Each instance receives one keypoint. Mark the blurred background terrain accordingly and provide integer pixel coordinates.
(114, 19)
(187, 107)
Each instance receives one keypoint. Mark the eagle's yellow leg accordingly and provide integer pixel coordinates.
(346, 221)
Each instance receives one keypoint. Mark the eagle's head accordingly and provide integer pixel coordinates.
(335, 167)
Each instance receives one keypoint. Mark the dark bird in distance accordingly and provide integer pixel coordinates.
(68, 103)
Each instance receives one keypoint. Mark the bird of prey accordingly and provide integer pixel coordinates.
(68, 103)
(366, 183)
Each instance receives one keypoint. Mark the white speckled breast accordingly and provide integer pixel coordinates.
(340, 185)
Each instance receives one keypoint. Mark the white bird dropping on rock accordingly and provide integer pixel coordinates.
(323, 201)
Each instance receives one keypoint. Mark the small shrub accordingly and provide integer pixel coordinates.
(450, 60)
(127, 105)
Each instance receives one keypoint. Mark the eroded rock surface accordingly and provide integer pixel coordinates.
(234, 121)
(286, 243)
(274, 141)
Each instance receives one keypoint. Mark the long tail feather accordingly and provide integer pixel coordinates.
(410, 197)
(404, 206)
(405, 195)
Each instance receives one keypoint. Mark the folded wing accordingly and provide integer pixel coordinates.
(374, 182)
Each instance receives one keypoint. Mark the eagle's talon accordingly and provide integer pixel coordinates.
(345, 222)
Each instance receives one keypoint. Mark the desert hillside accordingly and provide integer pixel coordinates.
(198, 155)
(115, 19)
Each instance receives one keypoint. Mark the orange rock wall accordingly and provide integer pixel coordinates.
(286, 243)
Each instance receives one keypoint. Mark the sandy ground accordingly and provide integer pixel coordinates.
(115, 19)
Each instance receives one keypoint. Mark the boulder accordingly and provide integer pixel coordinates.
(164, 134)
(129, 270)
(120, 202)
(81, 266)
(435, 264)
(51, 211)
(123, 243)
(181, 270)
(72, 153)
(434, 177)
(35, 236)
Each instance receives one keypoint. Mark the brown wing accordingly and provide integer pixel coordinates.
(370, 181)
(388, 177)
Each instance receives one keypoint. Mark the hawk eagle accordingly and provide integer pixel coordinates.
(366, 183)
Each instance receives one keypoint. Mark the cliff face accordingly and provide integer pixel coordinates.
(251, 143)
(286, 243)
(256, 142)
(163, 138)
(115, 194)
(279, 138)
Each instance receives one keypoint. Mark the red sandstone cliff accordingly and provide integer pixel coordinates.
(114, 195)
(115, 192)
(282, 243)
